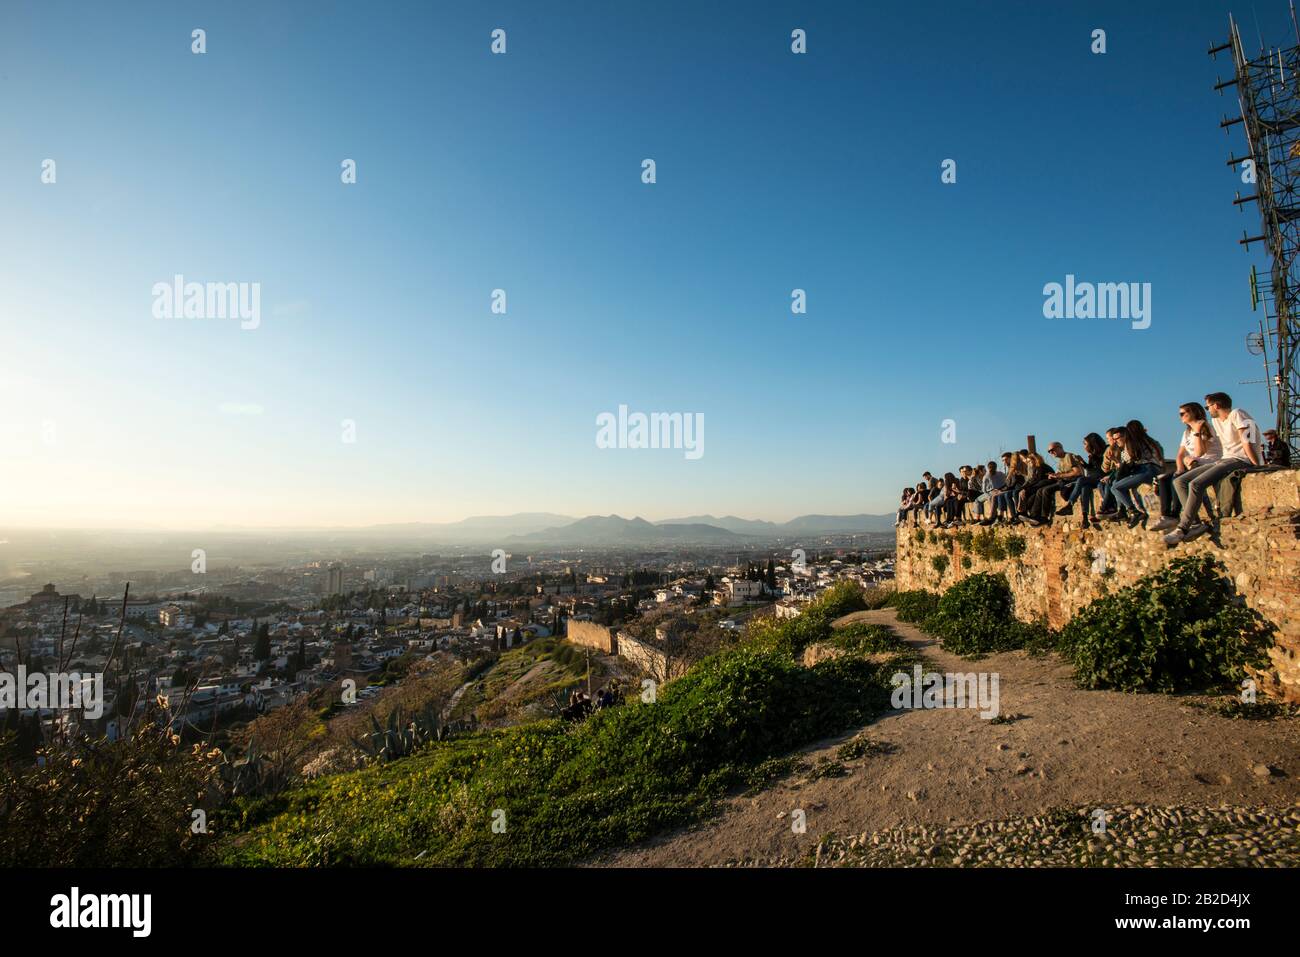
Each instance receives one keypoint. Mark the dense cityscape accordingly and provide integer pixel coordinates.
(218, 645)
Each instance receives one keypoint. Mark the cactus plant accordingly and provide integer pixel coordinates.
(401, 736)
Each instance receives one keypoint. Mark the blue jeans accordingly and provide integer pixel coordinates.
(1192, 485)
(1082, 492)
(1108, 502)
(1120, 487)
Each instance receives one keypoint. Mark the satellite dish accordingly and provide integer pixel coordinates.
(1255, 343)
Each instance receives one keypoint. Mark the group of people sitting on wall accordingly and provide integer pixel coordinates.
(1219, 444)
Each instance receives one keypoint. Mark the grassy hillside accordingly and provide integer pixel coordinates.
(557, 792)
(524, 681)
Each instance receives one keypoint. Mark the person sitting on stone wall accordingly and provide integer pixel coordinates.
(1277, 454)
(1042, 501)
(1199, 446)
(1242, 447)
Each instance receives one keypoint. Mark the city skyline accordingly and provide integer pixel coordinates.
(776, 172)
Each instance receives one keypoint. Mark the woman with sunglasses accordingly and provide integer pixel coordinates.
(1199, 446)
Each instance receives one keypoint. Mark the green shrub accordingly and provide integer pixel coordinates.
(939, 563)
(1015, 546)
(919, 535)
(792, 635)
(1037, 638)
(966, 562)
(863, 638)
(977, 616)
(914, 606)
(985, 545)
(1181, 628)
(877, 596)
(964, 538)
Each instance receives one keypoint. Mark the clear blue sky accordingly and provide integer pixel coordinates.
(523, 172)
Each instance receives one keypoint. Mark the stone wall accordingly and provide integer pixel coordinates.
(653, 661)
(1064, 567)
(591, 635)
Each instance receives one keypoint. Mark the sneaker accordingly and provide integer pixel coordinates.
(1085, 523)
(1163, 524)
(1036, 522)
(1068, 510)
(1196, 531)
(1174, 537)
(1135, 520)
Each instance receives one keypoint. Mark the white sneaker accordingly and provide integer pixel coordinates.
(1174, 537)
(1197, 530)
(1163, 524)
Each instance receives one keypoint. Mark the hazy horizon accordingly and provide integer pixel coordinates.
(374, 525)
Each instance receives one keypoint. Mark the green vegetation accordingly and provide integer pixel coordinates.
(985, 545)
(861, 746)
(877, 596)
(125, 803)
(914, 607)
(1181, 628)
(976, 616)
(401, 736)
(939, 563)
(827, 768)
(765, 772)
(1261, 710)
(562, 792)
(554, 667)
(861, 638)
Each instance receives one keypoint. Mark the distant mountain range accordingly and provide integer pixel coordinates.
(474, 528)
(803, 525)
(615, 530)
(698, 529)
(550, 528)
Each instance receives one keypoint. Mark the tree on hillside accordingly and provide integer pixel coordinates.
(262, 643)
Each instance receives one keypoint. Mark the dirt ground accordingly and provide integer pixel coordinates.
(950, 766)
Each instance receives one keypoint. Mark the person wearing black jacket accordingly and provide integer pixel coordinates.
(1277, 454)
(1094, 446)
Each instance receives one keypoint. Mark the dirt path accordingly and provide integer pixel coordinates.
(1071, 748)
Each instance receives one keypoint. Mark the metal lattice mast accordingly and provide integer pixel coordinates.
(1268, 93)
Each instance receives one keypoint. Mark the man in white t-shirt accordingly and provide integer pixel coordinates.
(1239, 441)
